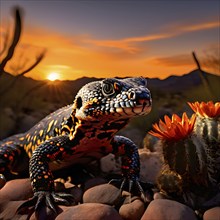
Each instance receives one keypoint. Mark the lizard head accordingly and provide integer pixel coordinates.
(113, 98)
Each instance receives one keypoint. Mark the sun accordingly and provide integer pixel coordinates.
(53, 76)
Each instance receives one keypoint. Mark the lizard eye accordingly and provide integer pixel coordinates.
(108, 88)
(78, 102)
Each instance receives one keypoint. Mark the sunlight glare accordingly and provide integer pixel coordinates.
(53, 76)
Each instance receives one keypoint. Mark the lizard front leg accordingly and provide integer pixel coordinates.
(130, 163)
(41, 175)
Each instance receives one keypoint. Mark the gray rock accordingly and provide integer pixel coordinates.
(150, 165)
(109, 164)
(91, 211)
(163, 209)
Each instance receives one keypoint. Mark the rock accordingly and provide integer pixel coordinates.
(18, 189)
(135, 134)
(26, 121)
(105, 193)
(77, 193)
(8, 122)
(109, 164)
(12, 195)
(164, 209)
(150, 143)
(45, 213)
(94, 182)
(68, 185)
(133, 210)
(59, 186)
(150, 165)
(158, 195)
(8, 210)
(42, 215)
(212, 214)
(91, 211)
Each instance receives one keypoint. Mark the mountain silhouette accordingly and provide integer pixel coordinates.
(24, 101)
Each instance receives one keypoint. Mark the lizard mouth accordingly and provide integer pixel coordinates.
(138, 107)
(124, 105)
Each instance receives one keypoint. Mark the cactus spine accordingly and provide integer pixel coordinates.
(207, 127)
(191, 153)
(186, 158)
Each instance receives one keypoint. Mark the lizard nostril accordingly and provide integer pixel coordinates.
(132, 95)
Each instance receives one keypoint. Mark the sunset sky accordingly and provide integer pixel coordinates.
(113, 38)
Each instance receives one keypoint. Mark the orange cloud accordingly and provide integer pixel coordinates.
(199, 27)
(173, 61)
(77, 56)
(130, 44)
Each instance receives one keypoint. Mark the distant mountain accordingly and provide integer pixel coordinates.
(24, 101)
(184, 82)
(172, 83)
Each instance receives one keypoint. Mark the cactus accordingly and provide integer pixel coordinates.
(207, 127)
(208, 120)
(183, 152)
(191, 153)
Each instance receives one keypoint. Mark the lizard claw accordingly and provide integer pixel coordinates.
(130, 185)
(47, 199)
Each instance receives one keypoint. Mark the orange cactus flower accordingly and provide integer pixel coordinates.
(174, 129)
(208, 109)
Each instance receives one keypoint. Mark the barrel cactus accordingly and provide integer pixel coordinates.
(208, 120)
(207, 126)
(191, 154)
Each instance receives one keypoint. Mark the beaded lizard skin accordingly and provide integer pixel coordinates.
(79, 133)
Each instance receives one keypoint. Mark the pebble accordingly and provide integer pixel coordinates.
(150, 165)
(212, 214)
(105, 194)
(19, 189)
(77, 193)
(158, 195)
(94, 182)
(133, 210)
(109, 164)
(91, 211)
(59, 186)
(8, 210)
(163, 209)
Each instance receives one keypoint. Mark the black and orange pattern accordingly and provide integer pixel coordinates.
(80, 133)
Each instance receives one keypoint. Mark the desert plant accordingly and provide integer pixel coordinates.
(7, 53)
(207, 127)
(191, 154)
